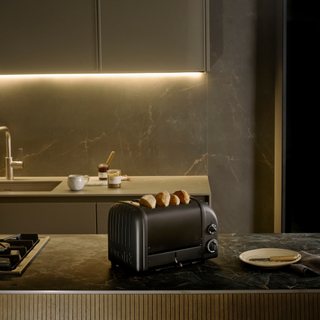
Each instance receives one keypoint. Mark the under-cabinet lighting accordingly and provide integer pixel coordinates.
(103, 75)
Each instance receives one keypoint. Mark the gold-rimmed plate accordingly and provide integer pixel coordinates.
(266, 253)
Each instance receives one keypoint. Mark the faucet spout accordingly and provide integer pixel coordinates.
(8, 159)
(8, 141)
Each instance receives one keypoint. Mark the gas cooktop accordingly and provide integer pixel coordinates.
(17, 251)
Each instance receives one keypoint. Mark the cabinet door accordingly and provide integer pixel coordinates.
(47, 218)
(152, 36)
(47, 36)
(102, 216)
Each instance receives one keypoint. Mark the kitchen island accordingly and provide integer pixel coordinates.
(73, 276)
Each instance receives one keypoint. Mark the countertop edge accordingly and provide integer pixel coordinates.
(293, 291)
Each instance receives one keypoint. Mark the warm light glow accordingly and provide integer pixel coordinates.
(104, 75)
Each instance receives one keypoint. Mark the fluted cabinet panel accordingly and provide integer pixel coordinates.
(160, 306)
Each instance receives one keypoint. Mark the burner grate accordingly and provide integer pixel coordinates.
(17, 251)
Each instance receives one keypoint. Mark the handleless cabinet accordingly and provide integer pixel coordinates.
(89, 36)
(103, 216)
(48, 36)
(152, 36)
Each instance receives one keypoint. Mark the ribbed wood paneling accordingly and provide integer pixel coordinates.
(297, 306)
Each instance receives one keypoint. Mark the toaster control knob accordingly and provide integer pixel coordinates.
(212, 228)
(212, 245)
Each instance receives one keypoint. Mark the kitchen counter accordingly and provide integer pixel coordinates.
(85, 211)
(79, 263)
(195, 185)
(72, 278)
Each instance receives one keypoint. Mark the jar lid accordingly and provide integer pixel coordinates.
(114, 171)
(103, 165)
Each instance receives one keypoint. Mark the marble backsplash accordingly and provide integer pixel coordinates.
(156, 126)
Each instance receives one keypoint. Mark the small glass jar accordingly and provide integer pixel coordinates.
(102, 171)
(114, 178)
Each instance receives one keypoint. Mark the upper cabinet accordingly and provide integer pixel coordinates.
(46, 36)
(152, 36)
(88, 36)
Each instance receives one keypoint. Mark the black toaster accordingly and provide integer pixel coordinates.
(142, 238)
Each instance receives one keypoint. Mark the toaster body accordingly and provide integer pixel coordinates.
(143, 238)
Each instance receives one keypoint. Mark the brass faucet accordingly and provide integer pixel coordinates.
(10, 165)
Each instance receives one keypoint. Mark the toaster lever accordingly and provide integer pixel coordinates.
(177, 262)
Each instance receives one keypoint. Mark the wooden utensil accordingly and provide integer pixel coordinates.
(110, 157)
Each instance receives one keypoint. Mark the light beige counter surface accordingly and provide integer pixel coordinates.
(139, 185)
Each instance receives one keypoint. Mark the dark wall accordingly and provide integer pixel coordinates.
(302, 66)
(241, 114)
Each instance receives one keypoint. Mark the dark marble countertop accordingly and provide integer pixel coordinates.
(80, 263)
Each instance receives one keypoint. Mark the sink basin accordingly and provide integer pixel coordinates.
(28, 185)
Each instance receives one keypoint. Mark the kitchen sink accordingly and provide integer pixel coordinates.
(19, 185)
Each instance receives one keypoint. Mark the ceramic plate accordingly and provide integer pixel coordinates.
(266, 253)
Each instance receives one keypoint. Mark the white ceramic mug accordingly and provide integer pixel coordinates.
(77, 181)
